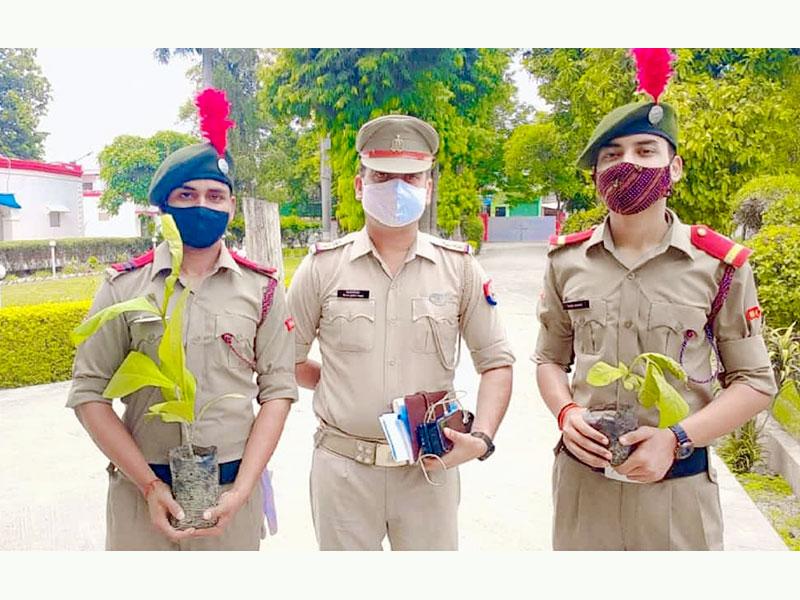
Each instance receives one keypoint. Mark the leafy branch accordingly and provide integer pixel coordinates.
(652, 388)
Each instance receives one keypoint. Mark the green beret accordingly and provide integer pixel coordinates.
(198, 161)
(637, 117)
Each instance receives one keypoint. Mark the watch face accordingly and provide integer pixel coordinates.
(684, 451)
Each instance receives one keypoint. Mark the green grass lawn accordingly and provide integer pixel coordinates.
(55, 290)
(84, 288)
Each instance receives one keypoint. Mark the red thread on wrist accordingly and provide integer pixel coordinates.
(150, 487)
(563, 413)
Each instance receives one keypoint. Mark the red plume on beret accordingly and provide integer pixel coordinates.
(214, 109)
(653, 69)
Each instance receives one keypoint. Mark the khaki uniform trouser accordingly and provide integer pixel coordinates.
(356, 505)
(128, 525)
(592, 512)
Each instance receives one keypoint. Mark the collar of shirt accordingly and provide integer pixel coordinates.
(162, 261)
(363, 245)
(678, 236)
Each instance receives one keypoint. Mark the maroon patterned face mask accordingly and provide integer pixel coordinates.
(629, 189)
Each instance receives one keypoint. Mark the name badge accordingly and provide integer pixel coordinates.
(575, 304)
(352, 293)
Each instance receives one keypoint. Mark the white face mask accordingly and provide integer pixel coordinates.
(394, 203)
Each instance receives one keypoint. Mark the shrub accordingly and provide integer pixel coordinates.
(741, 449)
(35, 343)
(757, 195)
(776, 265)
(785, 211)
(472, 228)
(584, 219)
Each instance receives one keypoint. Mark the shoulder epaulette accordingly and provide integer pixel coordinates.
(719, 246)
(134, 263)
(559, 241)
(454, 245)
(318, 247)
(254, 266)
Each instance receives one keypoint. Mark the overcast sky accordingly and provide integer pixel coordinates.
(98, 94)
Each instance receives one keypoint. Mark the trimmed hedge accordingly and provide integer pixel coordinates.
(35, 344)
(32, 255)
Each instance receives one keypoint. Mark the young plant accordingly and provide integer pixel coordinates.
(176, 382)
(652, 388)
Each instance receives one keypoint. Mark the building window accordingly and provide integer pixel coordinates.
(103, 215)
(55, 219)
(500, 211)
(88, 186)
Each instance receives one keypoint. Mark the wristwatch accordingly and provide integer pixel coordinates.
(685, 444)
(487, 440)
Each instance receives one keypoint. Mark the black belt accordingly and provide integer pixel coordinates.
(227, 472)
(695, 464)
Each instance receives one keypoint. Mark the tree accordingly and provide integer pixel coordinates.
(464, 93)
(128, 164)
(535, 165)
(737, 110)
(271, 161)
(24, 94)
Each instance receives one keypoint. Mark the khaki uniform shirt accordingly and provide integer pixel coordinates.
(595, 307)
(382, 337)
(228, 301)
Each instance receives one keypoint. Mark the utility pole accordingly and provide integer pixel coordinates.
(208, 67)
(325, 186)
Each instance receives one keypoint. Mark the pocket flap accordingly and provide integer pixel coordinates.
(351, 309)
(677, 317)
(595, 313)
(423, 307)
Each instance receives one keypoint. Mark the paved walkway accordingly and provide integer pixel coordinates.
(54, 479)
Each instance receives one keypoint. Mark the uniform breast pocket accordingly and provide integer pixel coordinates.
(589, 325)
(350, 322)
(146, 334)
(667, 325)
(235, 340)
(435, 328)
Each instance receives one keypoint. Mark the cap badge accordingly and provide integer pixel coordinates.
(398, 145)
(223, 166)
(655, 115)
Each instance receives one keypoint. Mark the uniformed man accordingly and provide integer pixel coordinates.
(236, 326)
(644, 282)
(389, 305)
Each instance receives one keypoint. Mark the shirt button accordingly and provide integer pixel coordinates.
(391, 363)
(628, 324)
(392, 321)
(392, 286)
(631, 275)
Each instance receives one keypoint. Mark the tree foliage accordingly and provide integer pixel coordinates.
(24, 94)
(128, 164)
(737, 108)
(463, 93)
(758, 195)
(274, 160)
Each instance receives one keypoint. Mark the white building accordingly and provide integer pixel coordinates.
(99, 223)
(42, 201)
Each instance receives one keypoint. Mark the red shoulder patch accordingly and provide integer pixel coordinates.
(719, 246)
(572, 238)
(253, 266)
(134, 263)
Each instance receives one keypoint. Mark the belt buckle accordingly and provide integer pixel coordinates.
(383, 457)
(365, 452)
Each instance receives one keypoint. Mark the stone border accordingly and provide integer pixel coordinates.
(783, 453)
